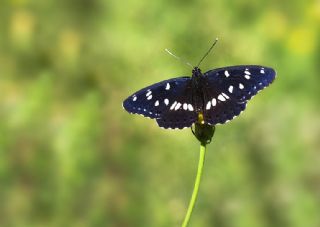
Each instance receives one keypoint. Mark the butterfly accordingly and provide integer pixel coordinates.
(214, 97)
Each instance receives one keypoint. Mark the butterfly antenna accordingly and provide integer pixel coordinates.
(206, 54)
(178, 58)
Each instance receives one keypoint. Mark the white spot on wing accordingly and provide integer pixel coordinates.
(226, 73)
(167, 86)
(177, 106)
(149, 97)
(208, 105)
(247, 77)
(230, 89)
(148, 93)
(156, 103)
(190, 107)
(173, 105)
(241, 86)
(262, 71)
(226, 96)
(247, 72)
(166, 101)
(221, 98)
(134, 98)
(185, 106)
(214, 102)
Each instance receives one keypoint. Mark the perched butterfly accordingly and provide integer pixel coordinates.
(214, 97)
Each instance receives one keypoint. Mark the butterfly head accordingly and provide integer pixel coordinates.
(196, 72)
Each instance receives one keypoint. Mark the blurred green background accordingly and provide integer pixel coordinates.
(71, 156)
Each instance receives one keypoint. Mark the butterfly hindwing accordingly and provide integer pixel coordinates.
(228, 89)
(169, 102)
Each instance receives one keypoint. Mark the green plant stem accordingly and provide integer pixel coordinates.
(196, 185)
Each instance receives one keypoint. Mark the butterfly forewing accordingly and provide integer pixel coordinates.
(169, 102)
(227, 90)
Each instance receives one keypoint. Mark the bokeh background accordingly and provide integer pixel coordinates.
(71, 156)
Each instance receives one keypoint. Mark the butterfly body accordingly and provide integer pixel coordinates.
(198, 81)
(214, 97)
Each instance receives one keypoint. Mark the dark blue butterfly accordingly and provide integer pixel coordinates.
(214, 97)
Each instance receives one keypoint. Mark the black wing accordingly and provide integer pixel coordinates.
(228, 89)
(169, 102)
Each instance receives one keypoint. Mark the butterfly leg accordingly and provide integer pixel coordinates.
(193, 132)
